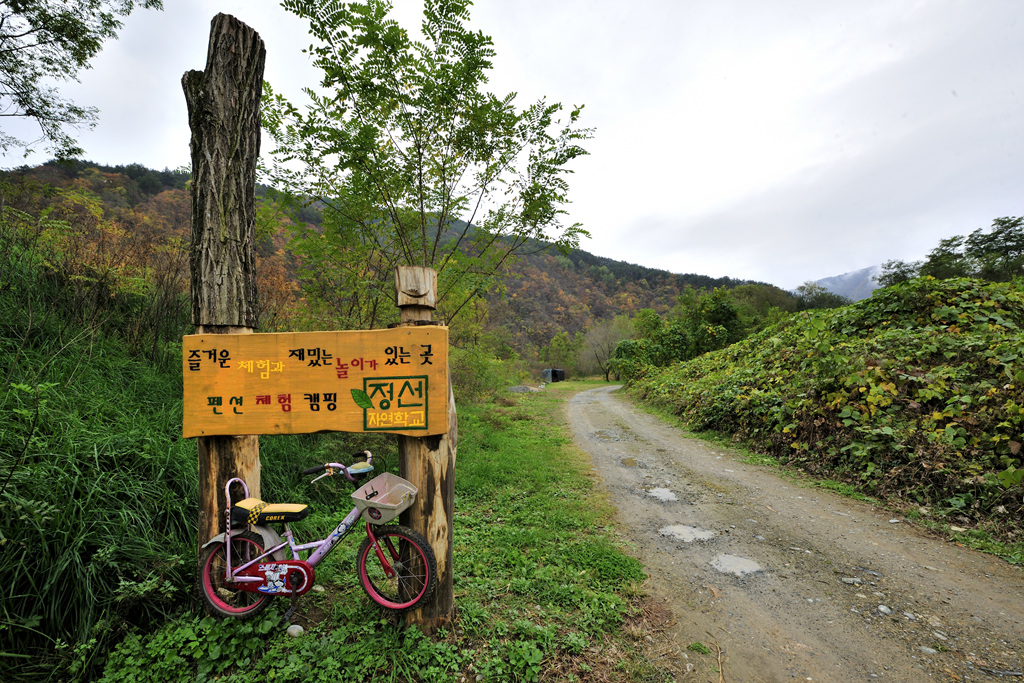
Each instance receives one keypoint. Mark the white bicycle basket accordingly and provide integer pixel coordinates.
(384, 497)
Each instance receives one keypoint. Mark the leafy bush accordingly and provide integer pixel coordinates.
(477, 374)
(703, 322)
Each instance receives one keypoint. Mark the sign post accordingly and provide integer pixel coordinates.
(224, 116)
(429, 461)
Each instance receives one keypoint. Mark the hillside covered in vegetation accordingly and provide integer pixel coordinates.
(915, 395)
(144, 217)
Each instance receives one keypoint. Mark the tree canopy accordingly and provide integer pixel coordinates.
(411, 161)
(996, 255)
(52, 40)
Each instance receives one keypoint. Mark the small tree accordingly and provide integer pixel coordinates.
(647, 323)
(895, 271)
(599, 343)
(811, 295)
(948, 260)
(412, 161)
(564, 352)
(998, 253)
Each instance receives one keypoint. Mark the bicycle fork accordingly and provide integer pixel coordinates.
(389, 571)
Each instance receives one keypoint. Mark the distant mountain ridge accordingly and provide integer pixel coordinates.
(855, 285)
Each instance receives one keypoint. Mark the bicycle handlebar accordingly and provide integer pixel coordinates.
(338, 466)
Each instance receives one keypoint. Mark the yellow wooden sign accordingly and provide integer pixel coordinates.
(393, 380)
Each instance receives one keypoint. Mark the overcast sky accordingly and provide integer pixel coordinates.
(772, 140)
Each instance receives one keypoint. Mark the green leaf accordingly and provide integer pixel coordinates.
(1011, 477)
(361, 399)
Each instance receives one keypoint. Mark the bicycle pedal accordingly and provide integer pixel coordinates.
(288, 613)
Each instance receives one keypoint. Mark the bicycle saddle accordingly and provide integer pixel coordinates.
(255, 511)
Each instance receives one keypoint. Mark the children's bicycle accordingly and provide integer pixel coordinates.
(242, 568)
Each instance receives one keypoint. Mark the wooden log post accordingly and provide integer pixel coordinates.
(429, 463)
(224, 115)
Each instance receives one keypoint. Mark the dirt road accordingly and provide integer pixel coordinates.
(794, 583)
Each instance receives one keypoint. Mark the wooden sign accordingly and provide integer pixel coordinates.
(393, 380)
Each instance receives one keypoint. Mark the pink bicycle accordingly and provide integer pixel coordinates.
(242, 568)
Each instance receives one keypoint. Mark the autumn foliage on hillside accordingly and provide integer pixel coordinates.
(125, 230)
(120, 238)
(546, 294)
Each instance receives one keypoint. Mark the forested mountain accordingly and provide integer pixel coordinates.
(542, 294)
(547, 293)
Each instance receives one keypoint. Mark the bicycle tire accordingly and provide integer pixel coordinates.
(223, 599)
(413, 561)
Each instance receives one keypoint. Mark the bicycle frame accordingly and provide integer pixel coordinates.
(321, 548)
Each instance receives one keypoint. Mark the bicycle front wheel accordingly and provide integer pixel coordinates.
(406, 574)
(224, 597)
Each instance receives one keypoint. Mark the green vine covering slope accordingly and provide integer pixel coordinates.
(916, 393)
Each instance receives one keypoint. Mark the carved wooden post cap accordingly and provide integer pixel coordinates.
(416, 286)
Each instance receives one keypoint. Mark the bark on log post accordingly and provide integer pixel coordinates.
(224, 115)
(429, 463)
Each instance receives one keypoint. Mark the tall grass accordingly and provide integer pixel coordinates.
(97, 488)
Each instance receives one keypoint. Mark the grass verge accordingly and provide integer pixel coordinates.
(543, 590)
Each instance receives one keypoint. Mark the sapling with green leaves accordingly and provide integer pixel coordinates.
(412, 161)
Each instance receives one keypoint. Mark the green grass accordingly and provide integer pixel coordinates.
(540, 580)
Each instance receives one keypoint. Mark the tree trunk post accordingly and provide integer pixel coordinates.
(224, 115)
(429, 463)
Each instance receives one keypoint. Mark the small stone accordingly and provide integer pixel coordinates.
(884, 610)
(894, 521)
(851, 581)
(940, 635)
(928, 650)
(318, 588)
(295, 630)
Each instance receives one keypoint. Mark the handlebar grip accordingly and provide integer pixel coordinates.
(314, 470)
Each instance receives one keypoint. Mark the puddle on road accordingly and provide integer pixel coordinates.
(607, 435)
(662, 494)
(735, 565)
(686, 534)
(629, 462)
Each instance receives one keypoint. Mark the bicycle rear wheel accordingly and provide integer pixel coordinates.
(224, 597)
(410, 559)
